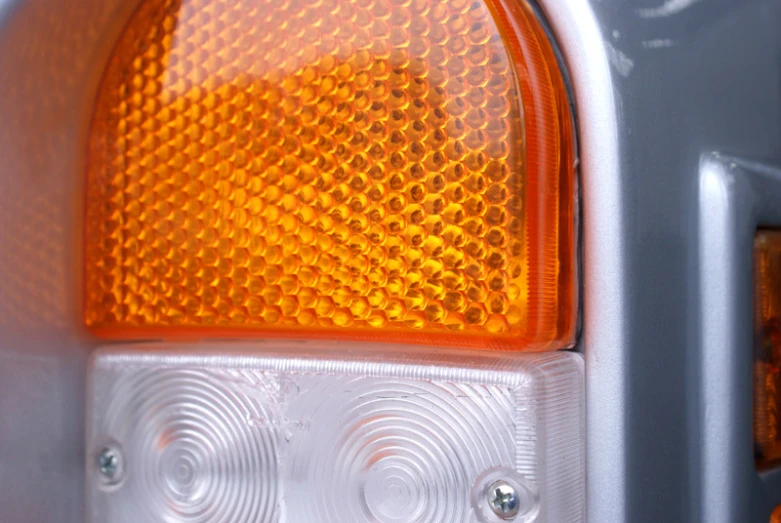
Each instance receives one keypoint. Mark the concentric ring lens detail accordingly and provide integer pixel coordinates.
(195, 454)
(400, 451)
(285, 439)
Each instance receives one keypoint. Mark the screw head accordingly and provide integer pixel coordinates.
(503, 499)
(108, 463)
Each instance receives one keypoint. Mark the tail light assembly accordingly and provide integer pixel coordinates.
(331, 249)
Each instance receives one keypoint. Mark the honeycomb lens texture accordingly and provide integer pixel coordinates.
(767, 351)
(320, 168)
(221, 436)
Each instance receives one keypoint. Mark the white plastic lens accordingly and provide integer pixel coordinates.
(279, 433)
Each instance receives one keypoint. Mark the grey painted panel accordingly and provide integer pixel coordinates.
(683, 78)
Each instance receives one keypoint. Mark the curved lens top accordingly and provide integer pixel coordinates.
(332, 168)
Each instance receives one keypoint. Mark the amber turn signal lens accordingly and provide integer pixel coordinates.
(767, 348)
(351, 169)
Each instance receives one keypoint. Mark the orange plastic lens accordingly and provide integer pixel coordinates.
(351, 169)
(767, 354)
(776, 516)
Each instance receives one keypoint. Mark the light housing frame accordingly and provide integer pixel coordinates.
(737, 198)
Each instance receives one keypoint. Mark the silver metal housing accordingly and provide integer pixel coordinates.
(657, 83)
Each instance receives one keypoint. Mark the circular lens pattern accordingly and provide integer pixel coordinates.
(398, 451)
(196, 448)
(225, 436)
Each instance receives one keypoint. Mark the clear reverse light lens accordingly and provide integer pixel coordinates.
(284, 434)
